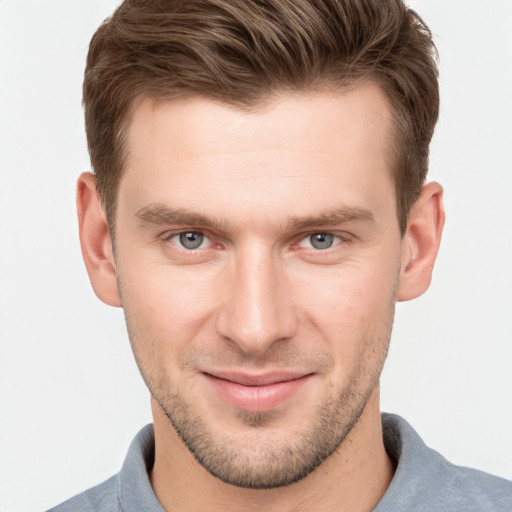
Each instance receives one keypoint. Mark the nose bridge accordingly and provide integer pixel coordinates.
(257, 310)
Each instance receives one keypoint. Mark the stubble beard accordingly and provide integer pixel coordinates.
(266, 460)
(262, 457)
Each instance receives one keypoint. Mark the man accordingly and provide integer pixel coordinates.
(258, 207)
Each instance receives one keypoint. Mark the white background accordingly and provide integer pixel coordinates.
(71, 398)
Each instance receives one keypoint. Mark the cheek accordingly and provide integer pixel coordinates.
(349, 291)
(170, 306)
(166, 312)
(354, 318)
(350, 305)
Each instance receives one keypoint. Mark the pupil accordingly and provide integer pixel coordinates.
(321, 240)
(191, 240)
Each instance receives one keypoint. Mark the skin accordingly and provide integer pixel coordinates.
(257, 299)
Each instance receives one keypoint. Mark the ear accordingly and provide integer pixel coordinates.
(421, 243)
(95, 241)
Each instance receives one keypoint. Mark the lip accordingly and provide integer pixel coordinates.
(256, 393)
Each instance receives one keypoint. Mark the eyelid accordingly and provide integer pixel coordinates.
(167, 237)
(341, 236)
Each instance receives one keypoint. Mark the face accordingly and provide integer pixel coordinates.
(257, 257)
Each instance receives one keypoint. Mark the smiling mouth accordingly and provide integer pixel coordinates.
(256, 393)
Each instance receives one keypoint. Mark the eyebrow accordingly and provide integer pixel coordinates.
(332, 218)
(165, 216)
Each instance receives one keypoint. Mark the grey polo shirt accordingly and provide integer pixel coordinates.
(424, 481)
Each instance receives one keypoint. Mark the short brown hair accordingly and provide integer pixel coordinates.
(242, 51)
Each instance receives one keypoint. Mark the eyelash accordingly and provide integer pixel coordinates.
(167, 238)
(340, 238)
(337, 240)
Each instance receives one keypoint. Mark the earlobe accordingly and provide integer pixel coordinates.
(421, 243)
(95, 241)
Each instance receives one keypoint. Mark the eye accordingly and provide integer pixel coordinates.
(190, 239)
(320, 241)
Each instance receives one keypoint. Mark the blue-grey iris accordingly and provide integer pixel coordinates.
(321, 240)
(191, 239)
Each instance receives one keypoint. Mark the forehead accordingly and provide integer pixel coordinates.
(327, 113)
(327, 146)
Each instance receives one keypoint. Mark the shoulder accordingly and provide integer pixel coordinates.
(101, 498)
(426, 481)
(130, 489)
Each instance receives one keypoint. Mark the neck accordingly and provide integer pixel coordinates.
(354, 477)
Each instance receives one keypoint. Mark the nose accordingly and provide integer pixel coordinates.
(257, 309)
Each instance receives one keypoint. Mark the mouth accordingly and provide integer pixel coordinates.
(256, 393)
